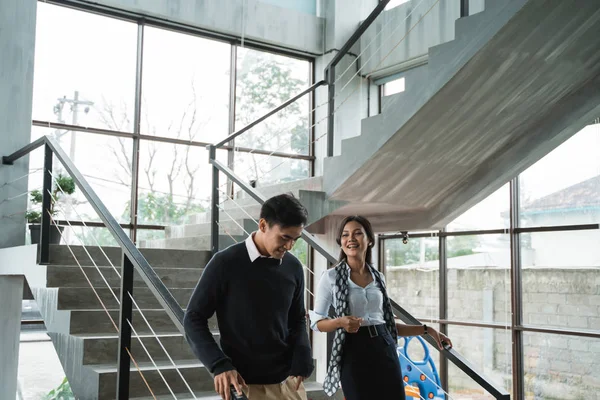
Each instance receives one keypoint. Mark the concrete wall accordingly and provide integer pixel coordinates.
(11, 290)
(407, 31)
(17, 40)
(558, 297)
(259, 21)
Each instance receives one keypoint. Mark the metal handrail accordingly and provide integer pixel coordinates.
(132, 256)
(456, 358)
(267, 115)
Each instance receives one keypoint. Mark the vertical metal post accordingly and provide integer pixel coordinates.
(126, 316)
(46, 207)
(137, 120)
(214, 210)
(443, 293)
(517, 294)
(464, 8)
(312, 117)
(232, 105)
(330, 110)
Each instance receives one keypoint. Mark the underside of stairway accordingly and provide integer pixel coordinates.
(519, 79)
(86, 340)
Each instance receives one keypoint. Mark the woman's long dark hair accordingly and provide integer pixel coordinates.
(368, 230)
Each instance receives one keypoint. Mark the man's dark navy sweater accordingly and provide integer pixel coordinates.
(261, 316)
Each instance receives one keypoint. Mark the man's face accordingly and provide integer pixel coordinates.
(279, 240)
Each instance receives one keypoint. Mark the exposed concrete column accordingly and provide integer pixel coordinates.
(11, 295)
(17, 41)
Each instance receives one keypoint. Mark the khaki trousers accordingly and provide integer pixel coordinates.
(279, 391)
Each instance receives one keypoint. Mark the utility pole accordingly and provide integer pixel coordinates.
(58, 109)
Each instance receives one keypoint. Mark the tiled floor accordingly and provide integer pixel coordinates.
(40, 370)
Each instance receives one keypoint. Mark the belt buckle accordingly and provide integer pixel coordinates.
(372, 328)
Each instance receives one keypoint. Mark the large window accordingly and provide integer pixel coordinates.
(185, 92)
(133, 105)
(564, 187)
(85, 68)
(263, 82)
(552, 255)
(412, 274)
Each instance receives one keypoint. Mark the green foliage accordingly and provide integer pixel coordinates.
(160, 208)
(63, 184)
(300, 250)
(406, 254)
(264, 83)
(62, 392)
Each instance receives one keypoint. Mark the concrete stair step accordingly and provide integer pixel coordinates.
(85, 298)
(313, 183)
(232, 227)
(197, 377)
(202, 242)
(70, 276)
(98, 323)
(314, 391)
(61, 255)
(104, 349)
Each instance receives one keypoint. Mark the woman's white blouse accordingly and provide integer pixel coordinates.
(365, 303)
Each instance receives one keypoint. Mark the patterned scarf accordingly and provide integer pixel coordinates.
(332, 380)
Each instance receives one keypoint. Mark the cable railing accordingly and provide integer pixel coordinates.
(132, 260)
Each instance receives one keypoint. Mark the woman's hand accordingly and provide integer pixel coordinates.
(441, 339)
(350, 324)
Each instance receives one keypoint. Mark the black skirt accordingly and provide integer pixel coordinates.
(370, 367)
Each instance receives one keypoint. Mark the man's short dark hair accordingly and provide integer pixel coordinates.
(284, 210)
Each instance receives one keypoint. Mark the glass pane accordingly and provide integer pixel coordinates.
(104, 161)
(264, 81)
(175, 182)
(489, 350)
(191, 100)
(479, 278)
(561, 276)
(88, 236)
(558, 366)
(150, 234)
(563, 188)
(393, 87)
(394, 3)
(412, 274)
(84, 68)
(491, 213)
(265, 170)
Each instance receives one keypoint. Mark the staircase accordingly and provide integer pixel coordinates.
(86, 341)
(519, 79)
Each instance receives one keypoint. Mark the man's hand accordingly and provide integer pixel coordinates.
(224, 380)
(350, 324)
(297, 382)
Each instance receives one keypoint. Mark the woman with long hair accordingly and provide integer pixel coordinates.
(363, 357)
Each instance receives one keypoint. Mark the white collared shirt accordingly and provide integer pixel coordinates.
(365, 303)
(253, 252)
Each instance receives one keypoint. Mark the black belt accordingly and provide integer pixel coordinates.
(372, 330)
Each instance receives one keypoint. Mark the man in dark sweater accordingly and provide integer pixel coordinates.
(256, 289)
